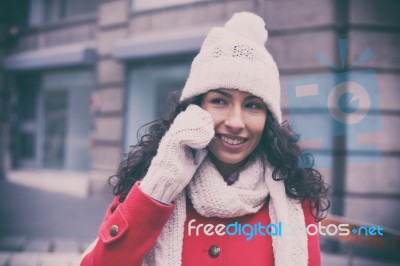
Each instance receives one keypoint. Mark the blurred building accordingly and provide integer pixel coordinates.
(78, 79)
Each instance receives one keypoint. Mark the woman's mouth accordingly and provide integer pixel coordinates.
(231, 143)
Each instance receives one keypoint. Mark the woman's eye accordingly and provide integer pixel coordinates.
(254, 106)
(218, 101)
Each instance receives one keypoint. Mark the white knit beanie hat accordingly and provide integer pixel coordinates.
(234, 57)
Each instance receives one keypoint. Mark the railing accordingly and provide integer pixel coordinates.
(380, 238)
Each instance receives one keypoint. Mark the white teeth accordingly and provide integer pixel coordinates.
(232, 141)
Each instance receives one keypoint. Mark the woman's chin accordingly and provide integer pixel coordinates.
(227, 160)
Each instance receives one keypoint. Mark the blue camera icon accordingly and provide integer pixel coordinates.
(325, 106)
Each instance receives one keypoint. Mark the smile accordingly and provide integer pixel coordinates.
(232, 141)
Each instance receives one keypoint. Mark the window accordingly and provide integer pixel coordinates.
(61, 9)
(65, 122)
(150, 4)
(52, 125)
(55, 122)
(42, 11)
(150, 85)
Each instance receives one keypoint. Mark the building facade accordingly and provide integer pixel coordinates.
(79, 78)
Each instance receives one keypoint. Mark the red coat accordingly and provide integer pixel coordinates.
(130, 229)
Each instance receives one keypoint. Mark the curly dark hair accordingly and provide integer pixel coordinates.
(278, 145)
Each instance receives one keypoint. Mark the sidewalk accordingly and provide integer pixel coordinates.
(41, 228)
(22, 251)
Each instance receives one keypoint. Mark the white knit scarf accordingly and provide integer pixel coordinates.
(212, 197)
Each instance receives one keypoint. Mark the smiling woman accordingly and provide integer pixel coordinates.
(239, 120)
(222, 157)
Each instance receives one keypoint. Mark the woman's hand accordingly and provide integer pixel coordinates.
(174, 165)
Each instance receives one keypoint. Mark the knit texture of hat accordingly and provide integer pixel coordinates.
(235, 57)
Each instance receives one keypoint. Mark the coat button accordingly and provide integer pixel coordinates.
(114, 230)
(214, 251)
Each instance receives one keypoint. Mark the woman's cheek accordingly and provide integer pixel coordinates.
(216, 117)
(256, 123)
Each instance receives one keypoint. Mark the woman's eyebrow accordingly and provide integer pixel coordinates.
(226, 94)
(251, 97)
(222, 92)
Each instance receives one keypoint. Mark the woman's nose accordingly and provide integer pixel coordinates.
(234, 119)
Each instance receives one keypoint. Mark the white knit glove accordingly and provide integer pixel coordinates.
(180, 151)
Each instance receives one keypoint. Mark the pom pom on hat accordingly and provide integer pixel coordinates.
(234, 57)
(248, 25)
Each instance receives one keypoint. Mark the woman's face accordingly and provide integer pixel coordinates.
(239, 119)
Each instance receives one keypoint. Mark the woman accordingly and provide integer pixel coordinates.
(217, 182)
